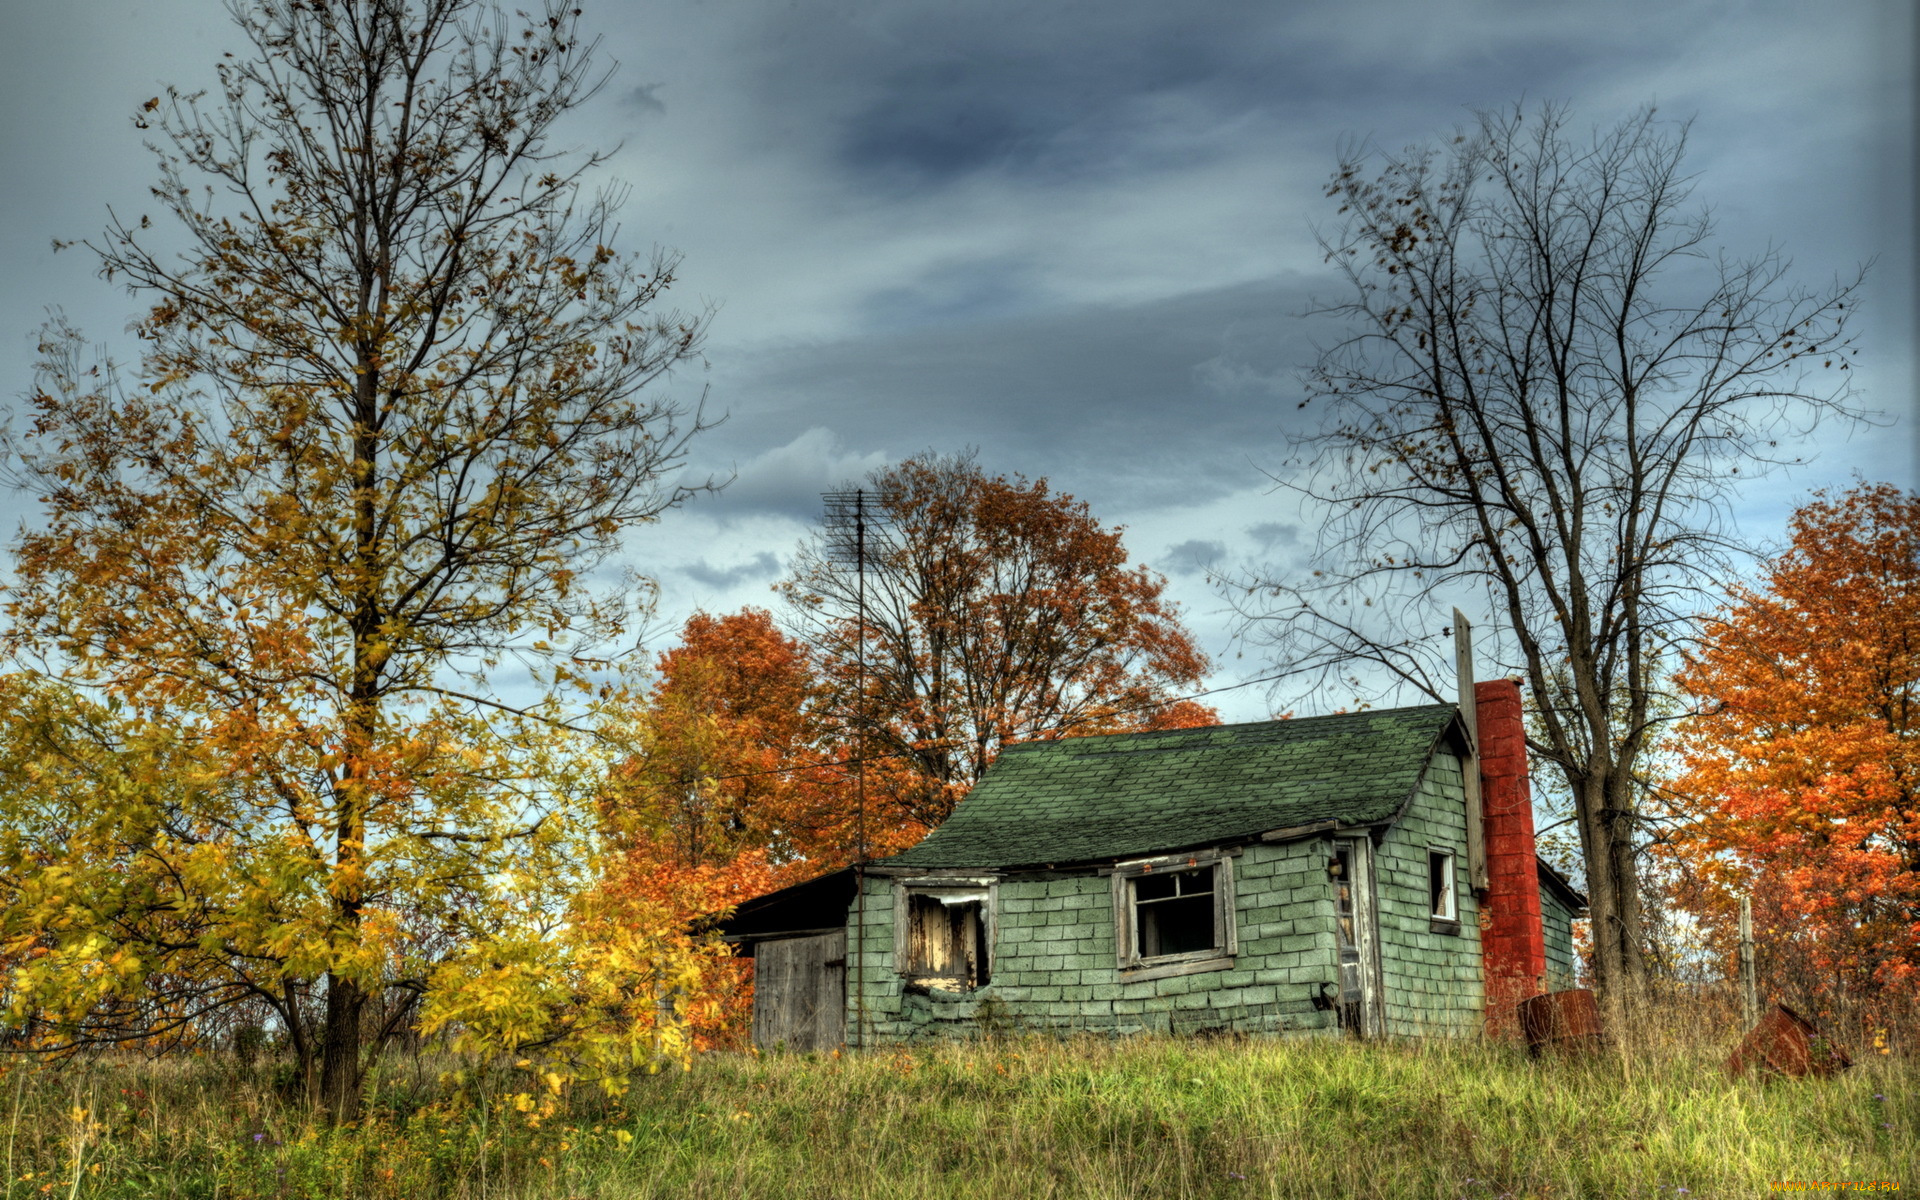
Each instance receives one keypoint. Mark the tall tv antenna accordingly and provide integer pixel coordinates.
(846, 546)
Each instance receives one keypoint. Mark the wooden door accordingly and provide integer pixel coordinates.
(800, 992)
(1356, 918)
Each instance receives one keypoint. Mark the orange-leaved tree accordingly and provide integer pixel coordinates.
(996, 611)
(392, 412)
(738, 786)
(737, 755)
(1801, 774)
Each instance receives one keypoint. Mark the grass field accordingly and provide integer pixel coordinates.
(1025, 1117)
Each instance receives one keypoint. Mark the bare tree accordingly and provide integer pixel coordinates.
(1552, 391)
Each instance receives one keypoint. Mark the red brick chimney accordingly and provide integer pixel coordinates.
(1511, 943)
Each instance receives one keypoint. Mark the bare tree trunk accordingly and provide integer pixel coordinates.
(1613, 890)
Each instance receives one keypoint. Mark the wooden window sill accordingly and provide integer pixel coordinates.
(1167, 970)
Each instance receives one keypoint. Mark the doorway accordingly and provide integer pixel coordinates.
(1357, 935)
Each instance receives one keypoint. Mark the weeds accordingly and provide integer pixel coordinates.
(1651, 1116)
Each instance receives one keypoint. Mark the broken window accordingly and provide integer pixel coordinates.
(1440, 885)
(1174, 912)
(947, 939)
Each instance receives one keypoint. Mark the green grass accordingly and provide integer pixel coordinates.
(1016, 1118)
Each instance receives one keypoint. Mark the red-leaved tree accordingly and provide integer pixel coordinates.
(996, 611)
(1802, 773)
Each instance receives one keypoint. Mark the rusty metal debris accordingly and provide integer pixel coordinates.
(1562, 1022)
(1786, 1043)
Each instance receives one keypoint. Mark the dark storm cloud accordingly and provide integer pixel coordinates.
(1173, 400)
(763, 566)
(1191, 557)
(1269, 534)
(914, 95)
(645, 99)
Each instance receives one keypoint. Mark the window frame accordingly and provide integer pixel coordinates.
(1446, 917)
(985, 890)
(1130, 963)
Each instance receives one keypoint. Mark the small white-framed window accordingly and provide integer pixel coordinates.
(944, 934)
(1441, 886)
(1174, 915)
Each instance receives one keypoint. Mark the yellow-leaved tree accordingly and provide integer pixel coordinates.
(391, 417)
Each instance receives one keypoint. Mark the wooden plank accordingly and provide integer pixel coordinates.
(1470, 763)
(799, 993)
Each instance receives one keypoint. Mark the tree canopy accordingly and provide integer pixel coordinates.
(392, 415)
(995, 611)
(1548, 391)
(1800, 774)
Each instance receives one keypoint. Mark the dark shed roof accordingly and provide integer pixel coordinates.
(818, 903)
(1083, 799)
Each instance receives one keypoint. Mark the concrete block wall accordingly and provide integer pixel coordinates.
(1055, 966)
(1432, 979)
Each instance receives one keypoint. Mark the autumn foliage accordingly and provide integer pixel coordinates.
(996, 611)
(392, 409)
(1802, 773)
(739, 754)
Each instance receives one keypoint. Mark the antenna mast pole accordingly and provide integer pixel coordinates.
(844, 508)
(860, 677)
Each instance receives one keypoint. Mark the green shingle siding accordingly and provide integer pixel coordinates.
(1556, 927)
(1065, 977)
(1432, 980)
(1048, 806)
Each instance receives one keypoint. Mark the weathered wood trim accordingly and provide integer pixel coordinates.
(931, 874)
(1224, 922)
(1225, 918)
(1167, 970)
(1469, 722)
(753, 939)
(1366, 921)
(1292, 833)
(1177, 858)
(991, 919)
(901, 947)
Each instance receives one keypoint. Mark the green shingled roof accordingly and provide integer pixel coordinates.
(1082, 799)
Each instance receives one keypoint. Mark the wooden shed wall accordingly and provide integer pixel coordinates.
(799, 992)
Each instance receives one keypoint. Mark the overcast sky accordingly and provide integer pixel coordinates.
(1077, 236)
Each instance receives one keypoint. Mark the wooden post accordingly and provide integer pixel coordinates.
(1749, 991)
(1470, 766)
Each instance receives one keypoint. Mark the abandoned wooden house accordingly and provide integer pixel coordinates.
(1372, 872)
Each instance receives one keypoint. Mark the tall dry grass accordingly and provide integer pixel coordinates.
(1651, 1115)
